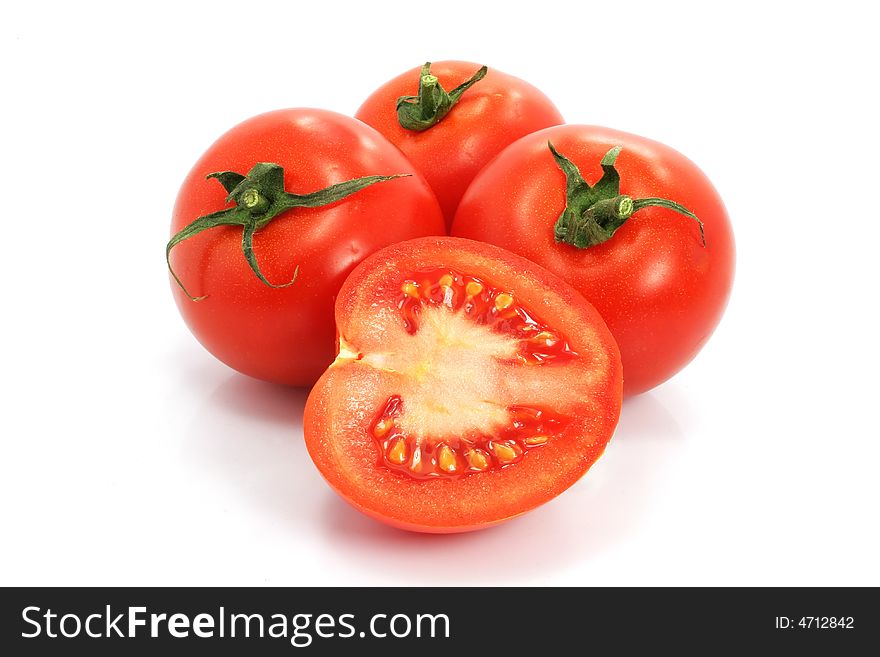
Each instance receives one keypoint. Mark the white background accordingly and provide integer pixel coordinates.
(130, 456)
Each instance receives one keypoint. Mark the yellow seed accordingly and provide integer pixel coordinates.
(446, 280)
(535, 440)
(505, 453)
(473, 289)
(382, 427)
(410, 289)
(446, 459)
(478, 459)
(503, 301)
(397, 453)
(545, 336)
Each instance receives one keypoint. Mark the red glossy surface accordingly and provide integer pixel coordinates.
(493, 113)
(660, 291)
(287, 335)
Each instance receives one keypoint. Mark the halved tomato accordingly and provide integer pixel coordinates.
(470, 386)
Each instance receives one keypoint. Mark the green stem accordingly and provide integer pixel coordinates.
(671, 205)
(202, 223)
(259, 198)
(432, 102)
(431, 97)
(593, 214)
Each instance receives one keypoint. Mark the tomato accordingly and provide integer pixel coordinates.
(270, 328)
(450, 141)
(660, 287)
(471, 385)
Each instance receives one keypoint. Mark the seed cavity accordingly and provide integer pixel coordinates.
(436, 307)
(529, 429)
(479, 302)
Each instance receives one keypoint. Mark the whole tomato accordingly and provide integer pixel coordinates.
(647, 240)
(450, 136)
(312, 194)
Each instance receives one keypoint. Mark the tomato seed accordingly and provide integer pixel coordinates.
(473, 288)
(446, 460)
(478, 459)
(503, 301)
(504, 453)
(410, 289)
(382, 427)
(397, 454)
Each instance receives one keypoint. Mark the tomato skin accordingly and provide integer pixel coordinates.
(287, 335)
(343, 403)
(495, 112)
(659, 290)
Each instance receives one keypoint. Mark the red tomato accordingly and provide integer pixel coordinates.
(659, 288)
(491, 114)
(286, 335)
(471, 386)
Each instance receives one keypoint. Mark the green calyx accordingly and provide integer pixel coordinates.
(593, 214)
(433, 102)
(259, 198)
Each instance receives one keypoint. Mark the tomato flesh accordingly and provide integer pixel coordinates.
(471, 385)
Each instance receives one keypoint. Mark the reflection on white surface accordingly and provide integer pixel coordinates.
(248, 436)
(595, 515)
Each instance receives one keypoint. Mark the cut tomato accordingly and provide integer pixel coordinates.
(470, 386)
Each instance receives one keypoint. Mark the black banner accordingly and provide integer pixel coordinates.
(392, 621)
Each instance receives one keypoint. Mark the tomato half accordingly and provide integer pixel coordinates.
(659, 286)
(491, 114)
(471, 386)
(286, 334)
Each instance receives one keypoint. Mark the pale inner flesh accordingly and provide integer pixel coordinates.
(457, 376)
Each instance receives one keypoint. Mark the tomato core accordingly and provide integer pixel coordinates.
(456, 310)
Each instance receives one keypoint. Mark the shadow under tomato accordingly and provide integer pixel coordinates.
(248, 435)
(595, 515)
